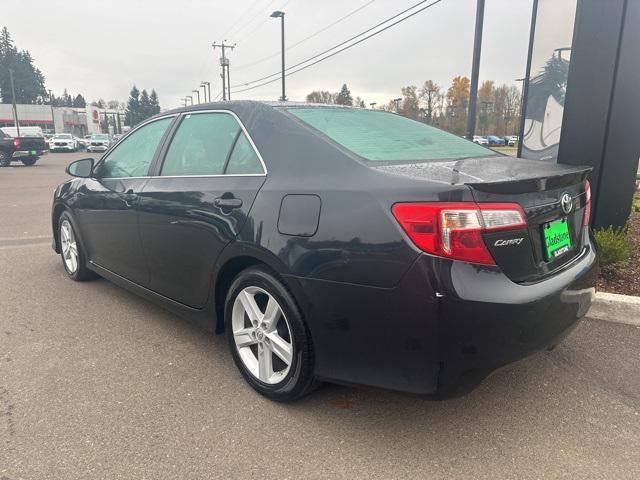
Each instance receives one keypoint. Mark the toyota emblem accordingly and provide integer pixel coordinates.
(566, 202)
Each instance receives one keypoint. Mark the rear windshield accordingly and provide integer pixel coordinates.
(63, 136)
(100, 137)
(385, 137)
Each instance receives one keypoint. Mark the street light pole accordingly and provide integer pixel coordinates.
(280, 15)
(204, 92)
(13, 100)
(197, 92)
(53, 118)
(190, 97)
(208, 84)
(475, 71)
(373, 105)
(397, 102)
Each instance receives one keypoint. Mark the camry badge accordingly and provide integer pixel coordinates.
(566, 202)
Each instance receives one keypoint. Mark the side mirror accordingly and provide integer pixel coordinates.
(81, 168)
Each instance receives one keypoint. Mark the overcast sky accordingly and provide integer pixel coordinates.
(100, 48)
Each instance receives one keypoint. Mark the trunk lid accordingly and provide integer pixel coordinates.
(538, 187)
(31, 143)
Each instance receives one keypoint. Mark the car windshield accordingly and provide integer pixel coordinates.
(63, 136)
(380, 136)
(99, 137)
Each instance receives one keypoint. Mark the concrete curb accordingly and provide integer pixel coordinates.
(615, 308)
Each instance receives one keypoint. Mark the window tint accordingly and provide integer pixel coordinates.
(201, 145)
(384, 137)
(244, 158)
(133, 155)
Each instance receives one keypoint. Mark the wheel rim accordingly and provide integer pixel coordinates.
(262, 335)
(69, 246)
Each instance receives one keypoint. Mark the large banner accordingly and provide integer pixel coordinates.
(550, 54)
(93, 119)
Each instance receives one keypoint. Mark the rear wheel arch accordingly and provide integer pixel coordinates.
(230, 269)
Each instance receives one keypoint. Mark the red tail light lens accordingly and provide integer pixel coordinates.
(587, 204)
(454, 230)
(17, 143)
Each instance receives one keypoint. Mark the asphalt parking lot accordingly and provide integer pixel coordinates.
(98, 383)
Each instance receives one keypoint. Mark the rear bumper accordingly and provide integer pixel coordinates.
(94, 148)
(27, 153)
(440, 335)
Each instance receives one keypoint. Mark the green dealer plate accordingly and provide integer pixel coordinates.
(557, 240)
(33, 152)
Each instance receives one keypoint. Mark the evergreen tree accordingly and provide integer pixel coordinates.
(79, 102)
(132, 115)
(344, 97)
(28, 80)
(145, 105)
(155, 103)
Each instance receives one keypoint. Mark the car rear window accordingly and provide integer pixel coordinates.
(380, 136)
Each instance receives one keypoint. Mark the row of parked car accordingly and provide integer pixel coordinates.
(66, 142)
(495, 141)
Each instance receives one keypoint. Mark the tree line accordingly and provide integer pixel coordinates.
(141, 105)
(498, 108)
(30, 88)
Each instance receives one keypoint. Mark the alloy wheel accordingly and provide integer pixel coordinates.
(69, 246)
(262, 335)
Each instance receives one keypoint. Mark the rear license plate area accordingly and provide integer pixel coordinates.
(556, 239)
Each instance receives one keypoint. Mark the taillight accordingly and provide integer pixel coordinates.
(587, 203)
(454, 230)
(17, 143)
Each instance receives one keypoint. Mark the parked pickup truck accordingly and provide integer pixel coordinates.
(26, 148)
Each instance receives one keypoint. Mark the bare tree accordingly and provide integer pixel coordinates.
(429, 95)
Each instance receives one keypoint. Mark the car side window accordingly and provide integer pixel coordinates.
(244, 159)
(133, 155)
(201, 145)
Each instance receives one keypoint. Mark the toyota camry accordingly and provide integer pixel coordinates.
(336, 244)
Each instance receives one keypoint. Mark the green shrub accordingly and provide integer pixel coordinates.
(614, 245)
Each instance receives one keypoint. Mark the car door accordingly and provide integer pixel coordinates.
(107, 206)
(199, 199)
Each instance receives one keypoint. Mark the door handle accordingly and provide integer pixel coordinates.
(227, 203)
(129, 198)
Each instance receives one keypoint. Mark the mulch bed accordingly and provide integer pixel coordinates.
(624, 278)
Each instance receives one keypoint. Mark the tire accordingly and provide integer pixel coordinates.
(5, 159)
(29, 161)
(77, 270)
(285, 337)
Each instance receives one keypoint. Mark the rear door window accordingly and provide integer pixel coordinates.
(201, 145)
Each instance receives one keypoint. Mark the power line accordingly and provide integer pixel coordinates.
(264, 20)
(344, 48)
(261, 11)
(315, 34)
(234, 24)
(349, 40)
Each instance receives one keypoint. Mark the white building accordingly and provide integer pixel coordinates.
(64, 119)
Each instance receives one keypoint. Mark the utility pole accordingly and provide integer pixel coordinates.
(197, 92)
(475, 71)
(13, 100)
(224, 63)
(53, 118)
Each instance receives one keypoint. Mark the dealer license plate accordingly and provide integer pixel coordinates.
(557, 240)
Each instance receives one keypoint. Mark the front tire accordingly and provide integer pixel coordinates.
(269, 341)
(73, 256)
(28, 162)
